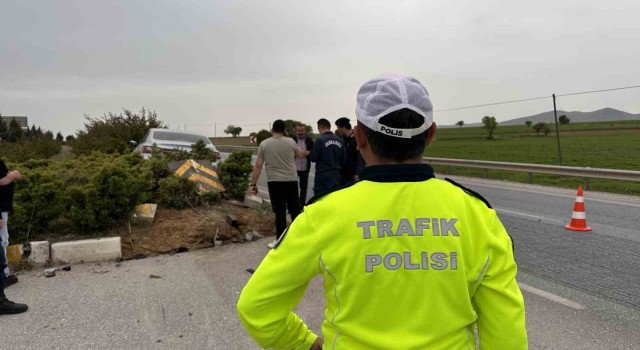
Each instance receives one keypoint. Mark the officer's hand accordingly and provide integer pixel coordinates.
(253, 189)
(318, 344)
(1, 223)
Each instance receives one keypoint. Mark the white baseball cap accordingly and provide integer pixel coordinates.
(392, 92)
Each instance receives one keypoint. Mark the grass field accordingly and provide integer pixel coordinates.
(612, 145)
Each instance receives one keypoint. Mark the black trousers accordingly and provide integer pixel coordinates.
(284, 195)
(303, 180)
(325, 182)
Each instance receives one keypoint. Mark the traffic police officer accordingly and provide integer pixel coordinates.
(409, 261)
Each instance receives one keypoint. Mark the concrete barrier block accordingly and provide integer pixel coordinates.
(40, 252)
(87, 250)
(144, 214)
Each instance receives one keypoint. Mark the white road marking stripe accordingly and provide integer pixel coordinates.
(517, 213)
(552, 297)
(590, 199)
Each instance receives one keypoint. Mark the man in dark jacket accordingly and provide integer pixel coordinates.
(328, 154)
(303, 165)
(6, 203)
(353, 160)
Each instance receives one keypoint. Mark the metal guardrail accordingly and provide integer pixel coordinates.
(594, 173)
(584, 172)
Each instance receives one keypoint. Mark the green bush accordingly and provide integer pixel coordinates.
(176, 192)
(109, 198)
(235, 174)
(92, 193)
(200, 151)
(210, 197)
(29, 148)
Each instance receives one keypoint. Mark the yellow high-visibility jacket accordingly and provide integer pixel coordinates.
(409, 262)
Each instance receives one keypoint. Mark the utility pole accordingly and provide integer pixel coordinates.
(555, 115)
(215, 129)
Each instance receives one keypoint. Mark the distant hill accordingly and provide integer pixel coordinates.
(601, 115)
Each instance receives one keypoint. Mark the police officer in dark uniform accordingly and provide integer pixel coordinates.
(329, 156)
(353, 160)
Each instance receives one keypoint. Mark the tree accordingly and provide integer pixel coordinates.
(59, 137)
(290, 127)
(112, 132)
(70, 138)
(15, 132)
(528, 123)
(4, 128)
(490, 124)
(233, 130)
(262, 135)
(541, 127)
(460, 123)
(563, 119)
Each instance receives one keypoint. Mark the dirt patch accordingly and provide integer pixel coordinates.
(174, 230)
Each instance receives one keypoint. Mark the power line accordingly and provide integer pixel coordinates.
(493, 104)
(537, 98)
(593, 91)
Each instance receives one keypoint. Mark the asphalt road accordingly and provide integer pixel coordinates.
(187, 301)
(603, 262)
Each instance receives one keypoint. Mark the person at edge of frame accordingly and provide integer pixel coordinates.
(7, 179)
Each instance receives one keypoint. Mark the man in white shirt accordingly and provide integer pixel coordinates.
(277, 154)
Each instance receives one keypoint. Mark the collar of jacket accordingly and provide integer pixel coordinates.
(397, 173)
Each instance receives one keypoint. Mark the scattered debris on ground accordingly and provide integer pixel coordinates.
(178, 231)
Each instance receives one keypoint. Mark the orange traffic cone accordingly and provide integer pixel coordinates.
(578, 218)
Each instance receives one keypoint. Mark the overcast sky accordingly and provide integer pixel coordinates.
(203, 64)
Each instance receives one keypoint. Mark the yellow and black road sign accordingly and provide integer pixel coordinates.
(199, 172)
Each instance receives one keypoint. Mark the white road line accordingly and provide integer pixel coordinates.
(521, 214)
(552, 297)
(547, 192)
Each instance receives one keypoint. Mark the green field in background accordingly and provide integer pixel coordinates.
(597, 145)
(611, 145)
(615, 151)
